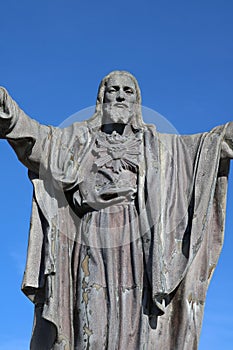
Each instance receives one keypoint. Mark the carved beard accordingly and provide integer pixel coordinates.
(115, 114)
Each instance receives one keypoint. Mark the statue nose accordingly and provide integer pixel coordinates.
(120, 98)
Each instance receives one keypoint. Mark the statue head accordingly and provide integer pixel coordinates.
(118, 100)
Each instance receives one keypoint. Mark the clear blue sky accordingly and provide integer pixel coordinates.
(52, 58)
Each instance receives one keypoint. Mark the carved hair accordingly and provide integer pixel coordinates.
(96, 120)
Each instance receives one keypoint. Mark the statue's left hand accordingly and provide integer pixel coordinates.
(229, 132)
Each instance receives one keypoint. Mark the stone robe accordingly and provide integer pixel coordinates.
(181, 195)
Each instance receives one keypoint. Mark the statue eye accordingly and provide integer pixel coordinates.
(129, 92)
(111, 91)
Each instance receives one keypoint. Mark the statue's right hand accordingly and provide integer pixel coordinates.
(7, 115)
(4, 110)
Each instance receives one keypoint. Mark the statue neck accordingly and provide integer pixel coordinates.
(110, 127)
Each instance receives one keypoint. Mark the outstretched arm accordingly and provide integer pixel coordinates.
(24, 134)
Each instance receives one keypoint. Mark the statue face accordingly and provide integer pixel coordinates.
(119, 99)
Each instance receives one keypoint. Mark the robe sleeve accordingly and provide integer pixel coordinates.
(25, 135)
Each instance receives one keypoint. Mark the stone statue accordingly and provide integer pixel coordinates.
(126, 228)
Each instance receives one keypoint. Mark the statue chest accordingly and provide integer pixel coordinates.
(111, 171)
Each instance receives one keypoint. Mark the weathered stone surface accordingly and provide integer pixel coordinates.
(127, 224)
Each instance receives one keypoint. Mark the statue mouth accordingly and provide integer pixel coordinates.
(120, 105)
